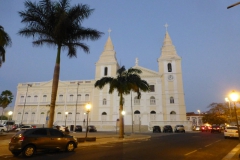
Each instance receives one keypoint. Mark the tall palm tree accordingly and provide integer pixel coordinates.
(5, 41)
(5, 99)
(125, 82)
(57, 24)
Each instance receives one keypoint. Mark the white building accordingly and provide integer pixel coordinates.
(164, 105)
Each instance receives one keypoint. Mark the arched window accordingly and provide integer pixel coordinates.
(169, 67)
(137, 117)
(86, 97)
(35, 98)
(171, 100)
(25, 117)
(79, 97)
(44, 98)
(136, 101)
(173, 116)
(22, 99)
(71, 97)
(104, 101)
(69, 116)
(28, 98)
(152, 116)
(59, 116)
(78, 116)
(60, 98)
(19, 116)
(152, 100)
(42, 118)
(104, 116)
(32, 117)
(105, 71)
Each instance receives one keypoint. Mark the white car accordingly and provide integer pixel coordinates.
(231, 131)
(3, 128)
(24, 127)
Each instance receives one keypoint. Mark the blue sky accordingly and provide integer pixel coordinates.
(205, 33)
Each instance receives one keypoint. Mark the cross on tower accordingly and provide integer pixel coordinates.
(109, 31)
(166, 25)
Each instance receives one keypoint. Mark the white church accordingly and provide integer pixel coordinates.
(163, 105)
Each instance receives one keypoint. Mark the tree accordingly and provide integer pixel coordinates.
(125, 82)
(5, 99)
(217, 114)
(57, 24)
(5, 41)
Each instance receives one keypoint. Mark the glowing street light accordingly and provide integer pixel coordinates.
(88, 107)
(198, 111)
(9, 114)
(234, 97)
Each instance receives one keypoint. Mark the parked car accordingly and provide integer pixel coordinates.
(167, 128)
(3, 128)
(92, 128)
(216, 129)
(29, 141)
(196, 128)
(156, 129)
(231, 131)
(25, 127)
(179, 128)
(78, 128)
(206, 128)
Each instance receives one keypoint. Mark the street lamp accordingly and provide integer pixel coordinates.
(234, 97)
(88, 107)
(76, 108)
(66, 113)
(227, 100)
(28, 85)
(198, 111)
(9, 114)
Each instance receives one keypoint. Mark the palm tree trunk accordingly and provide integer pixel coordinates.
(54, 88)
(121, 126)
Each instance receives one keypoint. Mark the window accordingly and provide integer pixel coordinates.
(136, 101)
(28, 98)
(86, 97)
(69, 116)
(71, 98)
(152, 100)
(105, 71)
(137, 117)
(56, 133)
(44, 98)
(40, 132)
(104, 116)
(79, 97)
(78, 116)
(152, 116)
(169, 67)
(22, 99)
(59, 116)
(171, 100)
(32, 117)
(152, 88)
(61, 98)
(35, 98)
(104, 101)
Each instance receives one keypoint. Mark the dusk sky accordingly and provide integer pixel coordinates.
(205, 33)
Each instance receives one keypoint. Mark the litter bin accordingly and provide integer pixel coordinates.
(71, 127)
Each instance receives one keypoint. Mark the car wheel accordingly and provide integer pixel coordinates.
(28, 151)
(70, 147)
(15, 154)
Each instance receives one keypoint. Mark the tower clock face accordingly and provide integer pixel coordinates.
(170, 77)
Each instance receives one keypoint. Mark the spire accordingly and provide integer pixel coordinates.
(168, 49)
(109, 46)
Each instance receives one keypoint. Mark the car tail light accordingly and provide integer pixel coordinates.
(21, 138)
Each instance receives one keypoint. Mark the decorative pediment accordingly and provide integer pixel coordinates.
(147, 72)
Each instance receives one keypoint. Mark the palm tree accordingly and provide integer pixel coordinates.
(57, 24)
(5, 41)
(5, 99)
(125, 82)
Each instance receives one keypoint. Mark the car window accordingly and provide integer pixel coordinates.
(40, 132)
(232, 128)
(56, 133)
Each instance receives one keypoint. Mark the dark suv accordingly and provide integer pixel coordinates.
(179, 128)
(29, 141)
(78, 128)
(156, 129)
(216, 129)
(167, 128)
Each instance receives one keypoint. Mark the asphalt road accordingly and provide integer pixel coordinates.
(162, 146)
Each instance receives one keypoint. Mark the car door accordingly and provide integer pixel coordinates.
(40, 138)
(58, 140)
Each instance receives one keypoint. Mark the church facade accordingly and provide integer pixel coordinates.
(163, 105)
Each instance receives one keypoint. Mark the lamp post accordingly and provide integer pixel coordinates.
(234, 97)
(9, 114)
(88, 107)
(66, 113)
(132, 112)
(123, 114)
(227, 100)
(76, 108)
(28, 85)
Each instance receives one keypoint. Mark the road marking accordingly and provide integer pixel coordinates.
(190, 152)
(218, 141)
(232, 153)
(209, 145)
